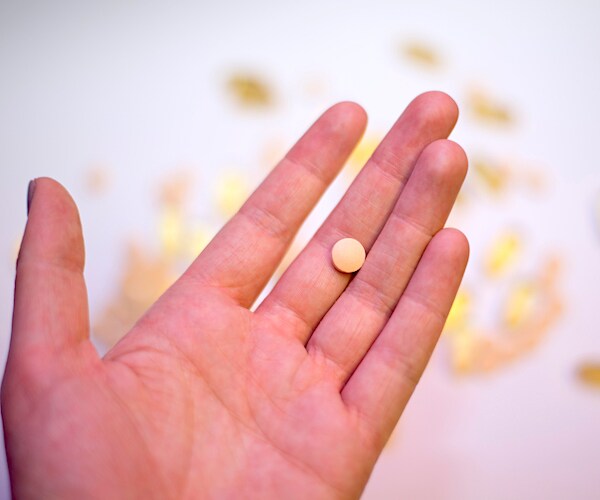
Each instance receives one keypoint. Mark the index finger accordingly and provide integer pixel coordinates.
(245, 253)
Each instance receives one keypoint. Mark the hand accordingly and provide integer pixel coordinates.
(205, 398)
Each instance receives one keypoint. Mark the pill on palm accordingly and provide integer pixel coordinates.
(348, 255)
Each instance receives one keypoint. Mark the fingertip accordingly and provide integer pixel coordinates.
(440, 100)
(349, 113)
(447, 157)
(459, 156)
(53, 225)
(439, 104)
(51, 195)
(455, 244)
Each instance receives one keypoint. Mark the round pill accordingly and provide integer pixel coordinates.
(348, 255)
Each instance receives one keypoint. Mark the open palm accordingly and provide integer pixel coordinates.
(206, 398)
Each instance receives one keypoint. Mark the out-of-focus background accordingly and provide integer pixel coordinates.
(161, 117)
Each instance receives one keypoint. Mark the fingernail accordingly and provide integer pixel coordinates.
(30, 193)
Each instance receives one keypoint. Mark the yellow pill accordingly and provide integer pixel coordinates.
(459, 311)
(361, 154)
(503, 254)
(231, 191)
(348, 255)
(589, 373)
(520, 305)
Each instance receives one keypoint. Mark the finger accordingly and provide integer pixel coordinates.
(380, 387)
(50, 317)
(245, 253)
(352, 324)
(311, 284)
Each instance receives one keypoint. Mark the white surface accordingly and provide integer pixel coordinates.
(138, 87)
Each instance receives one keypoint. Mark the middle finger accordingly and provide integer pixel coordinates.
(311, 285)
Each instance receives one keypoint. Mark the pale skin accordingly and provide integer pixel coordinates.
(206, 398)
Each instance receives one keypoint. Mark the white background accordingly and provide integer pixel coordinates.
(138, 87)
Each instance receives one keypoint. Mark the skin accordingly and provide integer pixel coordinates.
(205, 398)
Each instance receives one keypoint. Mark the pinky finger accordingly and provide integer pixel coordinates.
(382, 384)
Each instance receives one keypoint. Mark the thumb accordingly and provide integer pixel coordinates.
(50, 317)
